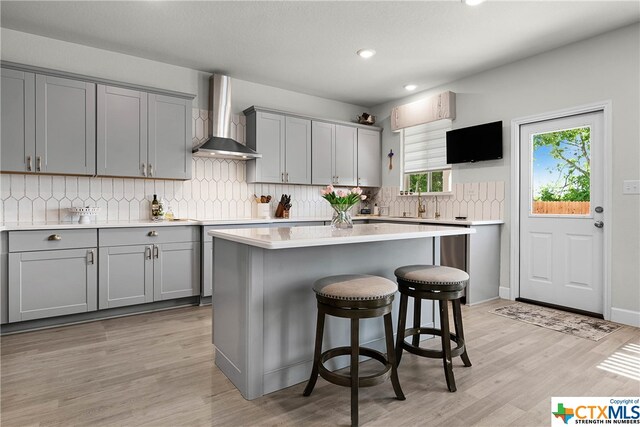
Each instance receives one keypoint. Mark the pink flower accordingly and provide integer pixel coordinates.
(356, 190)
(363, 197)
(327, 190)
(342, 193)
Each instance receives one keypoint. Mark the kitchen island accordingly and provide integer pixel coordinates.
(264, 309)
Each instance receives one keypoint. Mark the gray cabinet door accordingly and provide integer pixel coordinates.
(18, 143)
(122, 132)
(369, 160)
(269, 141)
(298, 151)
(207, 267)
(51, 283)
(126, 276)
(169, 137)
(346, 155)
(65, 126)
(323, 137)
(176, 270)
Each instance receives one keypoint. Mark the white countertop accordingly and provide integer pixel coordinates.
(234, 221)
(299, 237)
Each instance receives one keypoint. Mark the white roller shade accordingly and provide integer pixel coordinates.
(425, 146)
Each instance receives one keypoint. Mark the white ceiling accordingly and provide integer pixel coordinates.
(310, 47)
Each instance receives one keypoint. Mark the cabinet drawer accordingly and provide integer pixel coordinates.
(41, 240)
(148, 235)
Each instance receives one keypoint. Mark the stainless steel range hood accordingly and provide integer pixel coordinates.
(220, 145)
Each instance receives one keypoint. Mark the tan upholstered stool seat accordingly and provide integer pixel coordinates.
(431, 274)
(355, 287)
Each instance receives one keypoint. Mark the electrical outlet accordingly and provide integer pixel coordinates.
(631, 187)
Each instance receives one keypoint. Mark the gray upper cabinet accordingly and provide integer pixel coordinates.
(18, 144)
(285, 144)
(297, 150)
(169, 154)
(143, 134)
(48, 124)
(334, 154)
(65, 126)
(323, 141)
(369, 158)
(122, 132)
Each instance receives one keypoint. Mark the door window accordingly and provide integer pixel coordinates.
(561, 172)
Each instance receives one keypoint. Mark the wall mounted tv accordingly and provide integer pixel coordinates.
(475, 143)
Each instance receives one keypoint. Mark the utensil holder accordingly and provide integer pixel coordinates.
(262, 211)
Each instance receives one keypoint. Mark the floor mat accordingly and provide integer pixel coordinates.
(568, 323)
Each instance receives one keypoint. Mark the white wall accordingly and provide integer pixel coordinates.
(606, 67)
(24, 48)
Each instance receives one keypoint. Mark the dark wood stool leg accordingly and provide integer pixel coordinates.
(355, 347)
(316, 354)
(402, 323)
(446, 345)
(417, 318)
(388, 333)
(457, 319)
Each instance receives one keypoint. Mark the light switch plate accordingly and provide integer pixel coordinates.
(631, 187)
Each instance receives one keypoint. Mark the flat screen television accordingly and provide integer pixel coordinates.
(475, 143)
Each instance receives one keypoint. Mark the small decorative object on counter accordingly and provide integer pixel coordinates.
(390, 156)
(376, 210)
(168, 215)
(157, 211)
(85, 213)
(282, 211)
(341, 202)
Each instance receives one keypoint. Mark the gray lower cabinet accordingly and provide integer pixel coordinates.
(51, 273)
(48, 124)
(140, 265)
(126, 276)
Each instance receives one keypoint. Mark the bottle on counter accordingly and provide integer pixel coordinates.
(156, 209)
(168, 215)
(376, 210)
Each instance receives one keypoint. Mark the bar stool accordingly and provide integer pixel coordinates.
(355, 297)
(440, 283)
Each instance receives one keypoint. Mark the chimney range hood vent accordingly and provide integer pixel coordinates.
(220, 145)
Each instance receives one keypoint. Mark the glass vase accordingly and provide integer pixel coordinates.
(341, 216)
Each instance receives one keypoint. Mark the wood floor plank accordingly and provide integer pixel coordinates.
(157, 369)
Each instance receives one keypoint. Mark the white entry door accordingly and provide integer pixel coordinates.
(561, 205)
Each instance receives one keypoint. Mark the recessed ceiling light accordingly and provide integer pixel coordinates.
(473, 2)
(366, 53)
(410, 87)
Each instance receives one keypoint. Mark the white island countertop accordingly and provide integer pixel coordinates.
(300, 237)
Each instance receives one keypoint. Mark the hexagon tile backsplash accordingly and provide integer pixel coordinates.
(218, 190)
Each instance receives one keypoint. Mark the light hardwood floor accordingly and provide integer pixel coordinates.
(157, 370)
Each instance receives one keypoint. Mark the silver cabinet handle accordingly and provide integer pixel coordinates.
(599, 224)
(144, 169)
(29, 164)
(147, 252)
(282, 177)
(287, 177)
(90, 257)
(337, 179)
(55, 237)
(152, 233)
(150, 169)
(156, 252)
(38, 164)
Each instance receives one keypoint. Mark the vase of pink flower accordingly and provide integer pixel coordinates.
(341, 202)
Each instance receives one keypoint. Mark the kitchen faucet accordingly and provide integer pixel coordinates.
(422, 209)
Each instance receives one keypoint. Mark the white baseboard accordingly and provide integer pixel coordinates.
(504, 292)
(627, 317)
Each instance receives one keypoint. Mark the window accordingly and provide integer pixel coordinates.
(424, 165)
